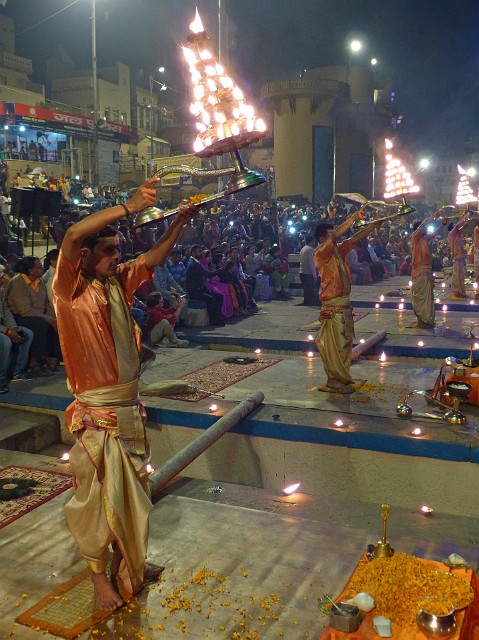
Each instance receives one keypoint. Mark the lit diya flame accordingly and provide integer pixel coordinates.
(420, 343)
(65, 457)
(149, 468)
(381, 298)
(426, 510)
(438, 300)
(339, 423)
(291, 489)
(213, 407)
(382, 357)
(416, 432)
(310, 337)
(410, 283)
(401, 306)
(310, 354)
(362, 340)
(376, 306)
(257, 351)
(444, 307)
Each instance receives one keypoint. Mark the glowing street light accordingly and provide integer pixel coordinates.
(374, 62)
(355, 46)
(424, 163)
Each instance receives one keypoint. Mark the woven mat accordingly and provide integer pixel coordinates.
(67, 611)
(216, 377)
(316, 325)
(49, 485)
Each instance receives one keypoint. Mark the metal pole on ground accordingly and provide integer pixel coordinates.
(372, 341)
(184, 457)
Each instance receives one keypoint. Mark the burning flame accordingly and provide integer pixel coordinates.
(398, 180)
(213, 407)
(426, 509)
(465, 193)
(291, 489)
(382, 357)
(219, 105)
(65, 457)
(416, 432)
(197, 26)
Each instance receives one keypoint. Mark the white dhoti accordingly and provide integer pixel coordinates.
(334, 340)
(422, 296)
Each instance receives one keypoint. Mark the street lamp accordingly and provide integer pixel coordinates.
(163, 87)
(95, 94)
(355, 46)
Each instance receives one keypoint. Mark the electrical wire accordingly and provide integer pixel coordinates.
(45, 19)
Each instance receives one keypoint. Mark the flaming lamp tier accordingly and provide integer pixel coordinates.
(224, 120)
(398, 179)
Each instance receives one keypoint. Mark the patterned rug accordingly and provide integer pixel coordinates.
(49, 484)
(215, 377)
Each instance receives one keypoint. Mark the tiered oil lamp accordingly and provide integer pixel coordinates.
(225, 123)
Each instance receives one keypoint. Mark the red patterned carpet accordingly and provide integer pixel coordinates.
(217, 376)
(49, 484)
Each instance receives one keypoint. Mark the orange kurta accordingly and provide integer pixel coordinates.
(334, 340)
(84, 323)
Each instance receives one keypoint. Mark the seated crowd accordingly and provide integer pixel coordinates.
(224, 258)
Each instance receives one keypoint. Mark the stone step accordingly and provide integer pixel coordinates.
(28, 431)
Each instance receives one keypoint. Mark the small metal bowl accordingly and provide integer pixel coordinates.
(432, 625)
(345, 617)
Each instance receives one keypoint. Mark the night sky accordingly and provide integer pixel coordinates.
(430, 47)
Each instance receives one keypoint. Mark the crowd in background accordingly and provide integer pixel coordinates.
(231, 255)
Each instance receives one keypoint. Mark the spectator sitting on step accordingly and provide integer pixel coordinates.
(15, 342)
(359, 268)
(278, 269)
(406, 267)
(254, 258)
(248, 283)
(27, 298)
(196, 278)
(176, 267)
(164, 282)
(216, 285)
(161, 320)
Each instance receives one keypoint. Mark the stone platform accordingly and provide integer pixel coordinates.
(345, 471)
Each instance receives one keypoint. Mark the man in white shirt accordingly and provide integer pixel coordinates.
(308, 273)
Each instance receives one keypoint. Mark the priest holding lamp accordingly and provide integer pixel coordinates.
(335, 337)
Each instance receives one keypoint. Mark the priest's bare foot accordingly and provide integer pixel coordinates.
(152, 572)
(106, 597)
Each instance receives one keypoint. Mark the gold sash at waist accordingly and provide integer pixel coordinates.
(118, 395)
(123, 398)
(341, 302)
